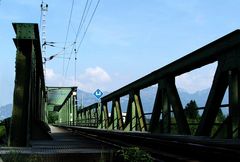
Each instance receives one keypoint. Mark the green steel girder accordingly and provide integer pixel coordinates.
(29, 91)
(161, 108)
(58, 96)
(135, 119)
(175, 101)
(104, 116)
(213, 103)
(234, 102)
(99, 114)
(201, 57)
(90, 115)
(165, 126)
(167, 94)
(25, 31)
(226, 52)
(21, 107)
(116, 119)
(156, 112)
(64, 101)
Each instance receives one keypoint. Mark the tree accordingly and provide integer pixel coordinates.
(52, 117)
(191, 111)
(220, 116)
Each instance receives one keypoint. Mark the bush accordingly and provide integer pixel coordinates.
(134, 154)
(17, 157)
(2, 131)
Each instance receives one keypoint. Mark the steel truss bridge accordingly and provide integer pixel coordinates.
(166, 135)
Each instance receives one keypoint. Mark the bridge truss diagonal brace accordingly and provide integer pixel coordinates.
(104, 119)
(173, 96)
(213, 103)
(116, 119)
(161, 107)
(227, 74)
(135, 119)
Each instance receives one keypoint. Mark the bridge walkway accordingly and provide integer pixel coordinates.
(65, 146)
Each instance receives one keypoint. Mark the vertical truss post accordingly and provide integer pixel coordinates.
(92, 112)
(98, 111)
(133, 115)
(85, 118)
(74, 105)
(119, 114)
(71, 106)
(166, 113)
(161, 107)
(116, 115)
(88, 117)
(67, 113)
(234, 102)
(105, 116)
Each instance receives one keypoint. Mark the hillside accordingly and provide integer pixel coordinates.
(5, 111)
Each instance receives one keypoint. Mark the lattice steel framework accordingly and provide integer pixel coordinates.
(225, 51)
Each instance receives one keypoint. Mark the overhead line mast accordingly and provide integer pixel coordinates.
(44, 9)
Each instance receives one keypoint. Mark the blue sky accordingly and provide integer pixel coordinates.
(125, 41)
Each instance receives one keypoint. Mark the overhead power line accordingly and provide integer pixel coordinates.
(78, 32)
(69, 22)
(88, 26)
(84, 34)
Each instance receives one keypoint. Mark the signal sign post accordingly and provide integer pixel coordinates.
(98, 94)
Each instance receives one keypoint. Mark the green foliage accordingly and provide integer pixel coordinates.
(192, 115)
(193, 118)
(52, 117)
(219, 120)
(134, 154)
(220, 117)
(17, 157)
(14, 156)
(191, 111)
(2, 131)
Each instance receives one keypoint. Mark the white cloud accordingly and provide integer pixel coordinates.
(97, 74)
(197, 80)
(49, 74)
(90, 80)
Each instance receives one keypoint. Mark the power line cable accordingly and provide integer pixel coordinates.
(69, 22)
(84, 19)
(84, 34)
(78, 31)
(88, 26)
(81, 21)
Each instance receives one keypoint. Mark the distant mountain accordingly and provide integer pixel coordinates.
(148, 96)
(87, 98)
(5, 111)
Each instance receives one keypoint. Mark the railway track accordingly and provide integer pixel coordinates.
(167, 147)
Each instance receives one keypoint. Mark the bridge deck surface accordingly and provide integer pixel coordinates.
(65, 145)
